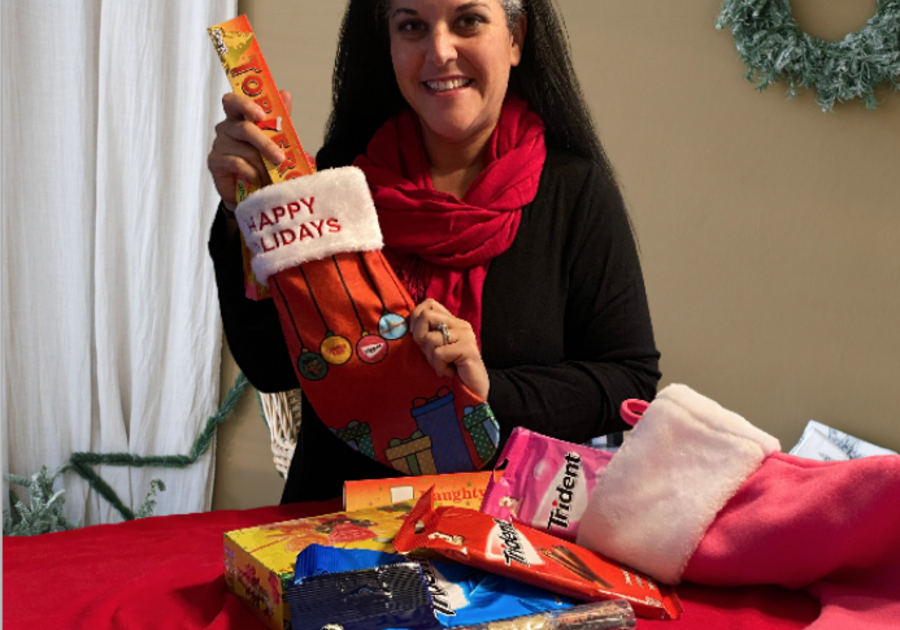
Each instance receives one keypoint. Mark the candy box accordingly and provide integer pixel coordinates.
(259, 561)
(460, 489)
(248, 74)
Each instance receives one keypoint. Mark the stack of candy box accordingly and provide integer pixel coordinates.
(259, 561)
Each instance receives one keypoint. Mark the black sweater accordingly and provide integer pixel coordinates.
(565, 331)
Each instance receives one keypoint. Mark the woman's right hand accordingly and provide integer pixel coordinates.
(238, 144)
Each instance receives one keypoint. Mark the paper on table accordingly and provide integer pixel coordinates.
(823, 443)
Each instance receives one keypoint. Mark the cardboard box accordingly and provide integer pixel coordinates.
(249, 75)
(259, 561)
(460, 490)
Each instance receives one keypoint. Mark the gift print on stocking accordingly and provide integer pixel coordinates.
(436, 416)
(412, 456)
(316, 245)
(358, 436)
(481, 424)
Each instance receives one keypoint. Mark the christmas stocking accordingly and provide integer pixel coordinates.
(697, 493)
(316, 244)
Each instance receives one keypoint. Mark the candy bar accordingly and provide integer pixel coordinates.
(249, 75)
(612, 615)
(532, 556)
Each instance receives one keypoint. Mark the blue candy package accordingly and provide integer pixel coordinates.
(318, 559)
(465, 596)
(380, 598)
(461, 595)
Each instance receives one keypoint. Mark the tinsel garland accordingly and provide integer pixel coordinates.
(775, 49)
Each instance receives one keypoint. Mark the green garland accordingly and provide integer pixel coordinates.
(82, 463)
(775, 49)
(45, 511)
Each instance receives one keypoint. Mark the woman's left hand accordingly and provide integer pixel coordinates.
(449, 345)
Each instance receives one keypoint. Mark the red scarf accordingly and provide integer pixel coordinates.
(439, 245)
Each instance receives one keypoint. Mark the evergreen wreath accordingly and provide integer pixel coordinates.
(775, 49)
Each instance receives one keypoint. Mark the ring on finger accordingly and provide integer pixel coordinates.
(445, 331)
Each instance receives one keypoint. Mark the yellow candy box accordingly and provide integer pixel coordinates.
(259, 561)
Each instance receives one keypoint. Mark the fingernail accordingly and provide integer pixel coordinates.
(279, 157)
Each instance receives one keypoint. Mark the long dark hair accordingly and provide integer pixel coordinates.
(365, 91)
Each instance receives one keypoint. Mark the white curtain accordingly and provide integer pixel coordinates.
(111, 332)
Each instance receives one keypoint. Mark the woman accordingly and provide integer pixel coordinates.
(472, 106)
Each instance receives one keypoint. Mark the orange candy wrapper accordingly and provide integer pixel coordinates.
(531, 556)
(249, 75)
(460, 489)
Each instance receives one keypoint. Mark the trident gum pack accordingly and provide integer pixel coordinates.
(532, 556)
(546, 484)
(249, 75)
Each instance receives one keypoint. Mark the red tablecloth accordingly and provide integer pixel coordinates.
(167, 572)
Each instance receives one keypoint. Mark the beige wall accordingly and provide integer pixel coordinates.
(245, 471)
(768, 230)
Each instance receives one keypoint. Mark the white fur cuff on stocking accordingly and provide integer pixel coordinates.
(309, 218)
(683, 461)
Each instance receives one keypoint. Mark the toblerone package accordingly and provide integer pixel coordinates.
(459, 489)
(259, 561)
(249, 75)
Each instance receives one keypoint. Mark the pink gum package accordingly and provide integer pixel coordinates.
(546, 484)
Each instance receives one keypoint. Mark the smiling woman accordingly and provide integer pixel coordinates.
(452, 65)
(500, 217)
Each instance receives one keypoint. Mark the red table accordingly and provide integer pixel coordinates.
(167, 572)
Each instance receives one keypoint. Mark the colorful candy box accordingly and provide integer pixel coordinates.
(460, 489)
(259, 561)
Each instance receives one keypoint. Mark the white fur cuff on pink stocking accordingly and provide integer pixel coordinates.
(309, 218)
(678, 467)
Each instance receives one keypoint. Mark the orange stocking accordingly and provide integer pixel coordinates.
(345, 315)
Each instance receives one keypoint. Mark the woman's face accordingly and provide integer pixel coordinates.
(452, 59)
